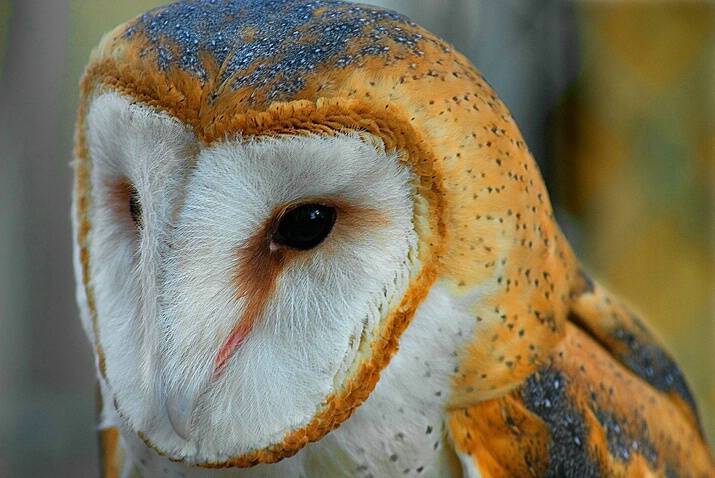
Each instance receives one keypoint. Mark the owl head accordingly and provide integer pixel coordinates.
(266, 192)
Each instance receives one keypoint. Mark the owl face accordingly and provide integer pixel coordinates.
(238, 284)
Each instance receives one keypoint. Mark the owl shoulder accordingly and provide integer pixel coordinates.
(609, 401)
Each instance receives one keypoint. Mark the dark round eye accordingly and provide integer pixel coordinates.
(135, 207)
(305, 226)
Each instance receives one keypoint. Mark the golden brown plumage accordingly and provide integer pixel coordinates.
(559, 378)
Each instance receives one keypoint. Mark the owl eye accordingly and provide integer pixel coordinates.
(135, 207)
(305, 226)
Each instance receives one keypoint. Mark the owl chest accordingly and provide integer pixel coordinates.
(387, 437)
(401, 430)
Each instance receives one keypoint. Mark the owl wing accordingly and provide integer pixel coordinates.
(608, 401)
(113, 461)
(110, 453)
(112, 456)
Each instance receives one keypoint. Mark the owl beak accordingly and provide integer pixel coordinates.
(180, 400)
(180, 405)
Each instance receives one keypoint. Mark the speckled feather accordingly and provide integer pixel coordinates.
(559, 378)
(271, 47)
(275, 43)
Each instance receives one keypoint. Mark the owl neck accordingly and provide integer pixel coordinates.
(402, 424)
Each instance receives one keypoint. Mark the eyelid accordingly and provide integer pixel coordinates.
(135, 208)
(119, 199)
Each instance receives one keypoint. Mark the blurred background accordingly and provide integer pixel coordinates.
(615, 98)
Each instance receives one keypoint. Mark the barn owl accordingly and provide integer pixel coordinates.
(311, 242)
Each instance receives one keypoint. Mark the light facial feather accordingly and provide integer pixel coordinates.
(186, 266)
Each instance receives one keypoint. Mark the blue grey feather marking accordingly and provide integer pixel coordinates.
(257, 42)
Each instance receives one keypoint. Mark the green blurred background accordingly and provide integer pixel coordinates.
(616, 100)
